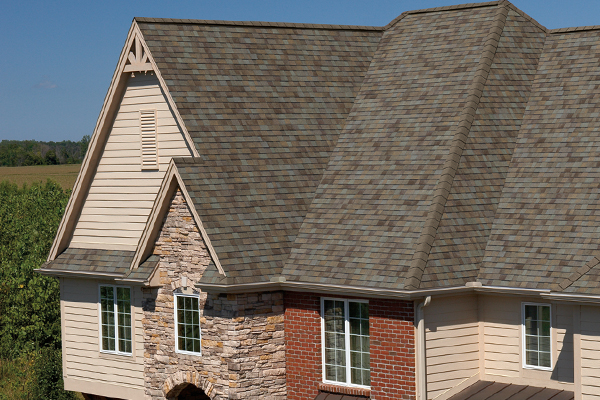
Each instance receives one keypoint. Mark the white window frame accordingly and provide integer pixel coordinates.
(524, 336)
(347, 341)
(116, 314)
(177, 350)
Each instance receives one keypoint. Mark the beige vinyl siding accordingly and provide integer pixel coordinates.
(563, 354)
(122, 194)
(82, 359)
(590, 352)
(452, 343)
(501, 318)
(502, 336)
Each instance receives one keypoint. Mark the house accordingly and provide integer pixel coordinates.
(295, 211)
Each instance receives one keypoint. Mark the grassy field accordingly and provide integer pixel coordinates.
(64, 175)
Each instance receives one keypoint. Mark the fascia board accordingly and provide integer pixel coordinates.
(572, 298)
(171, 182)
(376, 292)
(69, 273)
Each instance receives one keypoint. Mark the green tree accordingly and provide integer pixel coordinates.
(29, 302)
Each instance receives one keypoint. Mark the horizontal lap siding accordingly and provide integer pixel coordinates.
(81, 348)
(590, 352)
(502, 335)
(563, 356)
(452, 343)
(121, 195)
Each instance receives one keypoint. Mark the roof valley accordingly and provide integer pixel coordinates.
(464, 230)
(446, 180)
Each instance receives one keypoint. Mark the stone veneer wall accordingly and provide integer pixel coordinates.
(243, 354)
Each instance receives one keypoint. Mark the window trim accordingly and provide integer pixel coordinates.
(524, 335)
(177, 350)
(346, 339)
(115, 310)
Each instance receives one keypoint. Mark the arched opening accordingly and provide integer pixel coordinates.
(187, 392)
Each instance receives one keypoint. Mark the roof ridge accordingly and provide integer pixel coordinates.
(444, 8)
(446, 180)
(524, 15)
(575, 29)
(259, 24)
(577, 274)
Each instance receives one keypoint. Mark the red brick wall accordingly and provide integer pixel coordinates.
(391, 325)
(392, 347)
(302, 345)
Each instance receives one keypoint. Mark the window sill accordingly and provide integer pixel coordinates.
(348, 390)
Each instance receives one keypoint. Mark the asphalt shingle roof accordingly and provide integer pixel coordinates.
(264, 106)
(373, 201)
(115, 262)
(454, 144)
(548, 221)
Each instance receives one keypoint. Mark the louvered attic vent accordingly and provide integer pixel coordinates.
(148, 138)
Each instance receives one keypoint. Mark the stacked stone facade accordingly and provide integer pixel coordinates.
(392, 337)
(243, 354)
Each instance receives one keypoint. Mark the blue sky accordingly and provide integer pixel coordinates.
(57, 57)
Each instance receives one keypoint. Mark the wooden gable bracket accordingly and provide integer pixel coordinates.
(137, 58)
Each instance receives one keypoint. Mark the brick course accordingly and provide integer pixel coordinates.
(392, 348)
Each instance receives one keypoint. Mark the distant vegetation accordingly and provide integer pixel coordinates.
(30, 346)
(17, 153)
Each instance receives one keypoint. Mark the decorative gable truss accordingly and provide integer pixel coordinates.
(135, 57)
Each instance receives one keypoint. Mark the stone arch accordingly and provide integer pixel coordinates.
(179, 380)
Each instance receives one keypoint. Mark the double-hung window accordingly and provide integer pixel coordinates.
(115, 319)
(536, 336)
(345, 342)
(187, 324)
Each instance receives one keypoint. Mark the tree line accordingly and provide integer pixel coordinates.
(30, 344)
(16, 153)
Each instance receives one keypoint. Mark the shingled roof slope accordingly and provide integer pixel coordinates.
(371, 206)
(464, 229)
(548, 221)
(264, 104)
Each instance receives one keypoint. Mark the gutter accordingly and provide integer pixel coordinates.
(280, 283)
(89, 274)
(573, 298)
(421, 349)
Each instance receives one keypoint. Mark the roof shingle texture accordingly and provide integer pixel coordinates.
(264, 106)
(372, 202)
(464, 229)
(548, 220)
(115, 262)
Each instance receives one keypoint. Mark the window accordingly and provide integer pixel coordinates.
(115, 319)
(187, 324)
(536, 336)
(345, 341)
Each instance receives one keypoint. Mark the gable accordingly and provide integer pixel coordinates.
(122, 192)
